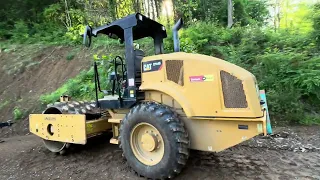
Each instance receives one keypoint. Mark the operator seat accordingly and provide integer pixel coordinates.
(138, 56)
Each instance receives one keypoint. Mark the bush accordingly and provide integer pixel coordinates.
(17, 114)
(70, 56)
(20, 32)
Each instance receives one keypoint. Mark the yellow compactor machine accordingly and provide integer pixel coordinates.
(159, 106)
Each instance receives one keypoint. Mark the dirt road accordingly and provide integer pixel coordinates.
(292, 155)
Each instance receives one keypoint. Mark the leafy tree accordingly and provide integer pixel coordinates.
(296, 15)
(316, 24)
(244, 12)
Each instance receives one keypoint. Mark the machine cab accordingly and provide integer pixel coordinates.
(133, 27)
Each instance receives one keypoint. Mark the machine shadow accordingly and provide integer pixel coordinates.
(94, 144)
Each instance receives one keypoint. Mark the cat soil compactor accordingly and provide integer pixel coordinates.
(159, 106)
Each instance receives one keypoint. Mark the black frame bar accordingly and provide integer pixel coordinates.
(128, 29)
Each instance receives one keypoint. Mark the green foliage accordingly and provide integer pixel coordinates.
(77, 87)
(257, 11)
(316, 24)
(62, 21)
(54, 13)
(245, 12)
(82, 87)
(20, 32)
(310, 120)
(296, 15)
(47, 33)
(285, 63)
(71, 55)
(17, 114)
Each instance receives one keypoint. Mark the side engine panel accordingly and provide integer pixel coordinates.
(212, 134)
(204, 86)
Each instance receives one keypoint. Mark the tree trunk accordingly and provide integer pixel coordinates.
(175, 13)
(116, 9)
(158, 8)
(113, 9)
(230, 13)
(68, 18)
(138, 6)
(190, 13)
(167, 15)
(153, 6)
(278, 15)
(143, 10)
(148, 8)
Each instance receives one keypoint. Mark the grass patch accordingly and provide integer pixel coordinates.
(21, 56)
(17, 113)
(71, 55)
(3, 104)
(310, 120)
(82, 86)
(54, 96)
(32, 64)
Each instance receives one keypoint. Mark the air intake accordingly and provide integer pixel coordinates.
(174, 70)
(233, 92)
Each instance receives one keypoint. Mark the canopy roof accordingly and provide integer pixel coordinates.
(141, 25)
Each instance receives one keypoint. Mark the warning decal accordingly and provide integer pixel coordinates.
(201, 78)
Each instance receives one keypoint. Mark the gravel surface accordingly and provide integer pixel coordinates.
(292, 154)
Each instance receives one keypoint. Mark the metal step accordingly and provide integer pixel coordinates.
(116, 121)
(114, 141)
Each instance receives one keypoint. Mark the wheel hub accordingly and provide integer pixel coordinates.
(147, 144)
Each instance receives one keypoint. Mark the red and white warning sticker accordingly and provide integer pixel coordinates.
(201, 78)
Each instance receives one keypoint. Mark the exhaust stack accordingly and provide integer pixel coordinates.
(175, 29)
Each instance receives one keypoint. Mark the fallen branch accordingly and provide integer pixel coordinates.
(47, 56)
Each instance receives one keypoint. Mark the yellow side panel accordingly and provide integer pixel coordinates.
(97, 126)
(213, 134)
(59, 127)
(200, 97)
(218, 135)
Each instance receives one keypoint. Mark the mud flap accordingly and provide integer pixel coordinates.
(69, 128)
(265, 106)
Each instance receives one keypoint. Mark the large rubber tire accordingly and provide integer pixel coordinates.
(173, 132)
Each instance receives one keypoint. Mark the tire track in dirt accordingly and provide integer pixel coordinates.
(101, 160)
(254, 163)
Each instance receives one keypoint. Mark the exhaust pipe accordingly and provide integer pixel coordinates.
(175, 29)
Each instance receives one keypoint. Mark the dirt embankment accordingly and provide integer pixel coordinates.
(28, 72)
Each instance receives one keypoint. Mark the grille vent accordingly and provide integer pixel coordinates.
(174, 70)
(233, 92)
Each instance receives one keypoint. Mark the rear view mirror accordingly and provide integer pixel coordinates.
(87, 36)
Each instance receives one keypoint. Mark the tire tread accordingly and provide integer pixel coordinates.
(175, 125)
